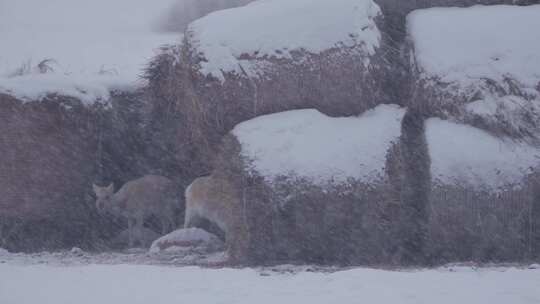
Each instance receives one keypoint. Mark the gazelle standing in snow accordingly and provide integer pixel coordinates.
(139, 199)
(210, 204)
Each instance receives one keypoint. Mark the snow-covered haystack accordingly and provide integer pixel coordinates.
(479, 65)
(187, 239)
(47, 165)
(63, 49)
(483, 199)
(277, 55)
(477, 68)
(260, 34)
(381, 187)
(69, 75)
(311, 187)
(322, 150)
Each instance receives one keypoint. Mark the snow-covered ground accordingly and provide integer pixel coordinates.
(322, 149)
(137, 256)
(133, 284)
(91, 46)
(276, 28)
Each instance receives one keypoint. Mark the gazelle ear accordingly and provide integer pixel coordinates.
(96, 188)
(111, 188)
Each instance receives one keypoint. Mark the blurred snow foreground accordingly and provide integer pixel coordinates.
(132, 284)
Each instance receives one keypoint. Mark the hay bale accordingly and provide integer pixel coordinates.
(482, 200)
(53, 150)
(461, 72)
(48, 161)
(311, 188)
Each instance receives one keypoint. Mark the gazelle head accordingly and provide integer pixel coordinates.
(103, 196)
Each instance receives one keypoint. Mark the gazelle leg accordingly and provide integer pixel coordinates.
(139, 223)
(164, 225)
(130, 233)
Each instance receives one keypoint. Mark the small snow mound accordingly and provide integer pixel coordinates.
(76, 251)
(322, 149)
(3, 252)
(278, 28)
(190, 238)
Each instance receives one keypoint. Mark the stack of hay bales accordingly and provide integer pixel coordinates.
(273, 56)
(476, 82)
(456, 179)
